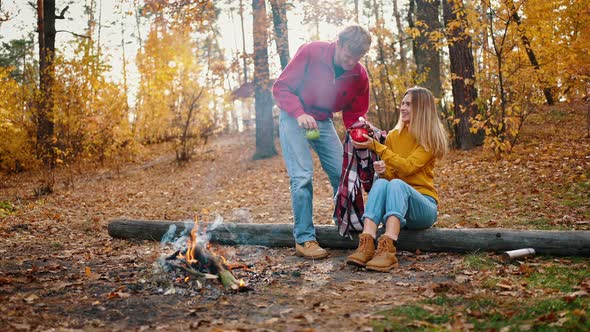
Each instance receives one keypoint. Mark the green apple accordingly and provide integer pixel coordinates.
(312, 134)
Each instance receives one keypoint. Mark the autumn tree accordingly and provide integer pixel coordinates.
(506, 93)
(175, 65)
(424, 24)
(465, 106)
(400, 37)
(46, 32)
(528, 48)
(244, 54)
(14, 54)
(279, 18)
(265, 146)
(330, 12)
(382, 72)
(16, 147)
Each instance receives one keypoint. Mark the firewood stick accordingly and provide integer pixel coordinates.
(238, 266)
(193, 272)
(228, 280)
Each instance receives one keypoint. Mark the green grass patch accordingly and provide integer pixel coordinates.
(6, 208)
(487, 314)
(560, 277)
(542, 224)
(478, 261)
(576, 196)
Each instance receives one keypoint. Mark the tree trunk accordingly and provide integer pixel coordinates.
(463, 75)
(434, 239)
(265, 146)
(426, 54)
(387, 103)
(279, 17)
(46, 30)
(124, 68)
(244, 55)
(400, 38)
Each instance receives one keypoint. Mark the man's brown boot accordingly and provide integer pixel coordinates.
(311, 249)
(384, 259)
(364, 252)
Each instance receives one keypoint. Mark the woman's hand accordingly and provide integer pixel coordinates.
(363, 145)
(379, 167)
(370, 125)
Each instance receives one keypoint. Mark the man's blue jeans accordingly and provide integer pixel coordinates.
(298, 160)
(397, 198)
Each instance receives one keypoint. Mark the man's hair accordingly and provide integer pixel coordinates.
(356, 38)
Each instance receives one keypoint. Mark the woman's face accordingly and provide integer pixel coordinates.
(406, 109)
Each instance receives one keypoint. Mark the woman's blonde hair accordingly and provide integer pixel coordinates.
(425, 124)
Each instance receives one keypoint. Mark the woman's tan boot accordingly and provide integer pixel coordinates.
(364, 252)
(384, 259)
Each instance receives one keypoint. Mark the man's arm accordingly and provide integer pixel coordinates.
(285, 86)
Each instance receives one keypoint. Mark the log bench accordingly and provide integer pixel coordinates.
(558, 243)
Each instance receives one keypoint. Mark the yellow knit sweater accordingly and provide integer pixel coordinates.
(408, 161)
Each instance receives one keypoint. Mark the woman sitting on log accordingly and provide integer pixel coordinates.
(404, 195)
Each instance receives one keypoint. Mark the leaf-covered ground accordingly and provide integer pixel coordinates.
(60, 270)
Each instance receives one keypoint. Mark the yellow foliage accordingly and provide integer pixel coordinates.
(90, 115)
(15, 145)
(173, 98)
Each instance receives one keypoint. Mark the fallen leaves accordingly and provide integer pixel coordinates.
(119, 295)
(574, 295)
(56, 250)
(90, 275)
(31, 298)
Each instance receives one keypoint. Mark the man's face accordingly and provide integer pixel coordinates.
(344, 58)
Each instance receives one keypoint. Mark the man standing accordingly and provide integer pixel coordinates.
(321, 79)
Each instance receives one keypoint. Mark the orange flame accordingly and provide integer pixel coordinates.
(191, 244)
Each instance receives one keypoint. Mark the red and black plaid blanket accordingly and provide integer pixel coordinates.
(357, 172)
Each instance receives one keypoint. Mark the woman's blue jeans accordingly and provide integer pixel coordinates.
(397, 198)
(298, 160)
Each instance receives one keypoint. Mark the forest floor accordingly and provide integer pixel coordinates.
(61, 271)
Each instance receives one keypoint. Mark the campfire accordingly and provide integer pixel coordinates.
(196, 260)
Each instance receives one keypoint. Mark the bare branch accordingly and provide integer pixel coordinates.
(73, 33)
(61, 15)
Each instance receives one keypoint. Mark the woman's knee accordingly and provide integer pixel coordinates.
(380, 183)
(397, 185)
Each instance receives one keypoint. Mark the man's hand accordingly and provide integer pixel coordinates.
(307, 122)
(363, 145)
(379, 167)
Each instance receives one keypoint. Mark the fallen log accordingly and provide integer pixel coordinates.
(559, 243)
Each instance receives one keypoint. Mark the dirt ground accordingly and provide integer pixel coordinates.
(60, 270)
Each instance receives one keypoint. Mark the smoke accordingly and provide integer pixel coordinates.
(178, 242)
(216, 223)
(168, 236)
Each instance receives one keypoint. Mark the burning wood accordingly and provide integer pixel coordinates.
(196, 260)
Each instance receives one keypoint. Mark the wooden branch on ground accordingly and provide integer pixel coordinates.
(559, 243)
(217, 268)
